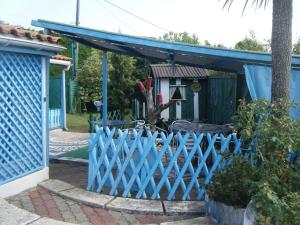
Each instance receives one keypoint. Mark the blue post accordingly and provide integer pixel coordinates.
(63, 100)
(104, 88)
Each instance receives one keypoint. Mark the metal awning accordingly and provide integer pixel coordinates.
(157, 50)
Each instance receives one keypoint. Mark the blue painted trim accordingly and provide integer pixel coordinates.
(47, 109)
(25, 50)
(63, 100)
(158, 44)
(104, 88)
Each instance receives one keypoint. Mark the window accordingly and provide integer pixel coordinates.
(178, 92)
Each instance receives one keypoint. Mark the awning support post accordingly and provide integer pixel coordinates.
(104, 88)
(63, 100)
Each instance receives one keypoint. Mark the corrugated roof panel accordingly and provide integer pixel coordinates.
(177, 71)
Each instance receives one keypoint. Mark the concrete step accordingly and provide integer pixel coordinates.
(129, 205)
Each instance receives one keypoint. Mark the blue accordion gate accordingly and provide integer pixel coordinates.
(155, 166)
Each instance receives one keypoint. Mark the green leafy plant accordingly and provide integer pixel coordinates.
(234, 185)
(268, 127)
(271, 182)
(90, 79)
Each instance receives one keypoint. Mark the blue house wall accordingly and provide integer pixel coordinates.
(22, 144)
(24, 76)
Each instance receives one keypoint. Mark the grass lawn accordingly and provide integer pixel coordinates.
(78, 122)
(81, 153)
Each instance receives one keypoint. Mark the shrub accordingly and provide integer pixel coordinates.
(232, 186)
(270, 181)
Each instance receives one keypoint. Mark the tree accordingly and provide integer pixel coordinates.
(121, 83)
(181, 37)
(90, 78)
(250, 44)
(141, 69)
(153, 114)
(296, 48)
(281, 44)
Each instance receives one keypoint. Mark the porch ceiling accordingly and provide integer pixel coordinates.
(158, 50)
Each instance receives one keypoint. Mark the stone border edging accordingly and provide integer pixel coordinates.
(139, 206)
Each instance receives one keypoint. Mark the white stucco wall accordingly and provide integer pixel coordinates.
(21, 184)
(178, 104)
(165, 92)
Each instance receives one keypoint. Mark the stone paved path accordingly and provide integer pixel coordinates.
(63, 141)
(45, 204)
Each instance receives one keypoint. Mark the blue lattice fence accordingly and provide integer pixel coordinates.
(128, 164)
(21, 148)
(54, 118)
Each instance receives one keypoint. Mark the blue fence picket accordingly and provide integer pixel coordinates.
(55, 118)
(127, 163)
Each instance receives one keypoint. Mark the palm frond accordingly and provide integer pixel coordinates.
(255, 3)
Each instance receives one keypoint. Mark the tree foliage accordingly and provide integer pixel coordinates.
(296, 48)
(121, 82)
(251, 44)
(141, 69)
(90, 78)
(181, 37)
(263, 173)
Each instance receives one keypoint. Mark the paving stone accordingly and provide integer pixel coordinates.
(71, 220)
(105, 217)
(198, 221)
(75, 209)
(184, 207)
(41, 210)
(55, 186)
(88, 198)
(26, 193)
(25, 200)
(12, 215)
(62, 206)
(67, 215)
(59, 199)
(34, 195)
(50, 204)
(149, 219)
(81, 218)
(17, 203)
(55, 214)
(48, 221)
(28, 207)
(124, 218)
(151, 207)
(86, 223)
(13, 198)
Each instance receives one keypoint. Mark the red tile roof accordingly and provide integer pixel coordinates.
(61, 57)
(19, 32)
(178, 71)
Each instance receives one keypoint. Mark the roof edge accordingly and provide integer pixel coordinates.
(60, 62)
(40, 46)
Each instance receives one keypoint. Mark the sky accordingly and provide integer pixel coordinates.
(205, 18)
